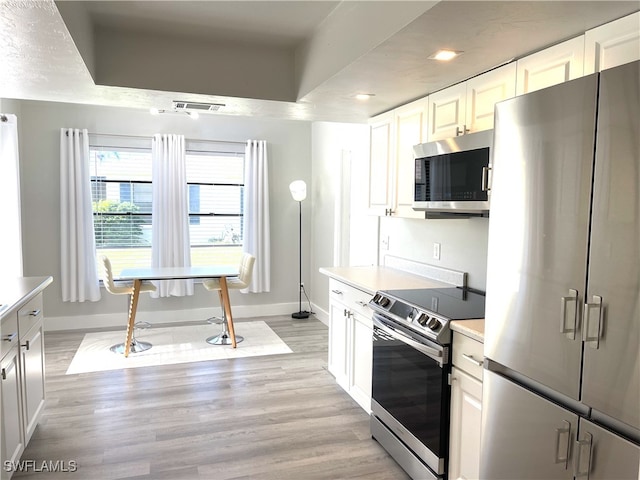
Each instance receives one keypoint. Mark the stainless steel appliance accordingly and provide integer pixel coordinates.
(411, 364)
(561, 394)
(452, 175)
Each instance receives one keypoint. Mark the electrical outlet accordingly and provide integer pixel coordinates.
(436, 251)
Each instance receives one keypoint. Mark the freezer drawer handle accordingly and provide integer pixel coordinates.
(583, 446)
(593, 341)
(572, 298)
(563, 457)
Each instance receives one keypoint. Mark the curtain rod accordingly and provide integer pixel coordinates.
(190, 139)
(151, 136)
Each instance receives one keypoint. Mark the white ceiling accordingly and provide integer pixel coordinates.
(287, 59)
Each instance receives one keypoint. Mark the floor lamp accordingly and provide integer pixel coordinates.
(299, 192)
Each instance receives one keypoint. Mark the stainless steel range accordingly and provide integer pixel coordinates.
(411, 365)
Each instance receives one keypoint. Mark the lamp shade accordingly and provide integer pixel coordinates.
(298, 190)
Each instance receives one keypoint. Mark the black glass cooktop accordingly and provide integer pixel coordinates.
(451, 303)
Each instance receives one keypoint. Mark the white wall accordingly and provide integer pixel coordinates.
(340, 163)
(289, 147)
(463, 243)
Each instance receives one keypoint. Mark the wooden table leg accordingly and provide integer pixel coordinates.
(133, 307)
(227, 309)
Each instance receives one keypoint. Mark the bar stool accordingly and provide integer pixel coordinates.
(107, 278)
(242, 281)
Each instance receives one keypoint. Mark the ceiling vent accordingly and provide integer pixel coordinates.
(203, 107)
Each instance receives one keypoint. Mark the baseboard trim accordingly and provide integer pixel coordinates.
(119, 320)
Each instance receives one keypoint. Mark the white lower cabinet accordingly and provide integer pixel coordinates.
(12, 440)
(22, 376)
(466, 409)
(351, 341)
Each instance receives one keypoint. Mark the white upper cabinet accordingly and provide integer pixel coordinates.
(551, 66)
(447, 110)
(613, 44)
(410, 130)
(392, 170)
(484, 91)
(380, 164)
(468, 106)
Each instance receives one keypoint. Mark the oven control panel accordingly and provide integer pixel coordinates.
(420, 320)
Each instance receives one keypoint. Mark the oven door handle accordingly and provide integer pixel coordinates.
(433, 353)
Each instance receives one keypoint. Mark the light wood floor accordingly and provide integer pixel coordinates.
(271, 417)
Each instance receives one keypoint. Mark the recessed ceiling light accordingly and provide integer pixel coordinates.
(364, 96)
(445, 55)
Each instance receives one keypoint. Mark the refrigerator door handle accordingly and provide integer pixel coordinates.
(593, 341)
(583, 446)
(572, 298)
(562, 446)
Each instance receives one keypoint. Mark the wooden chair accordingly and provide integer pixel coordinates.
(126, 289)
(242, 281)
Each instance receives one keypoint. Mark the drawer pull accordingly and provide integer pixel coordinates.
(362, 304)
(10, 337)
(470, 358)
(4, 374)
(337, 292)
(34, 313)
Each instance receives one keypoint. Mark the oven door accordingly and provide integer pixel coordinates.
(410, 390)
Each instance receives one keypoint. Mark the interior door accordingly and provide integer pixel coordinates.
(611, 382)
(524, 436)
(538, 232)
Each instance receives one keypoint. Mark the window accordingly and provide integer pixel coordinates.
(121, 189)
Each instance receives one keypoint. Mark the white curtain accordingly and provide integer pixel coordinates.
(78, 275)
(170, 212)
(11, 237)
(256, 214)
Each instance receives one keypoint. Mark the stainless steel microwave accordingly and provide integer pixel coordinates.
(452, 176)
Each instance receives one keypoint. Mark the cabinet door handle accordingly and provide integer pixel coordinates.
(469, 358)
(26, 345)
(562, 448)
(34, 313)
(337, 292)
(10, 337)
(7, 370)
(462, 131)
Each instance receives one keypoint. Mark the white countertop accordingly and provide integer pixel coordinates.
(18, 291)
(374, 278)
(471, 328)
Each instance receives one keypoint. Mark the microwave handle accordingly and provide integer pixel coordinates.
(485, 179)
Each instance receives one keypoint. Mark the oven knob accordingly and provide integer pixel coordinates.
(384, 301)
(422, 319)
(433, 324)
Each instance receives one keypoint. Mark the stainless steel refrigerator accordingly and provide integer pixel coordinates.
(561, 391)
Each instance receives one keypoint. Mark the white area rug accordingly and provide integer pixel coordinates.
(173, 345)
